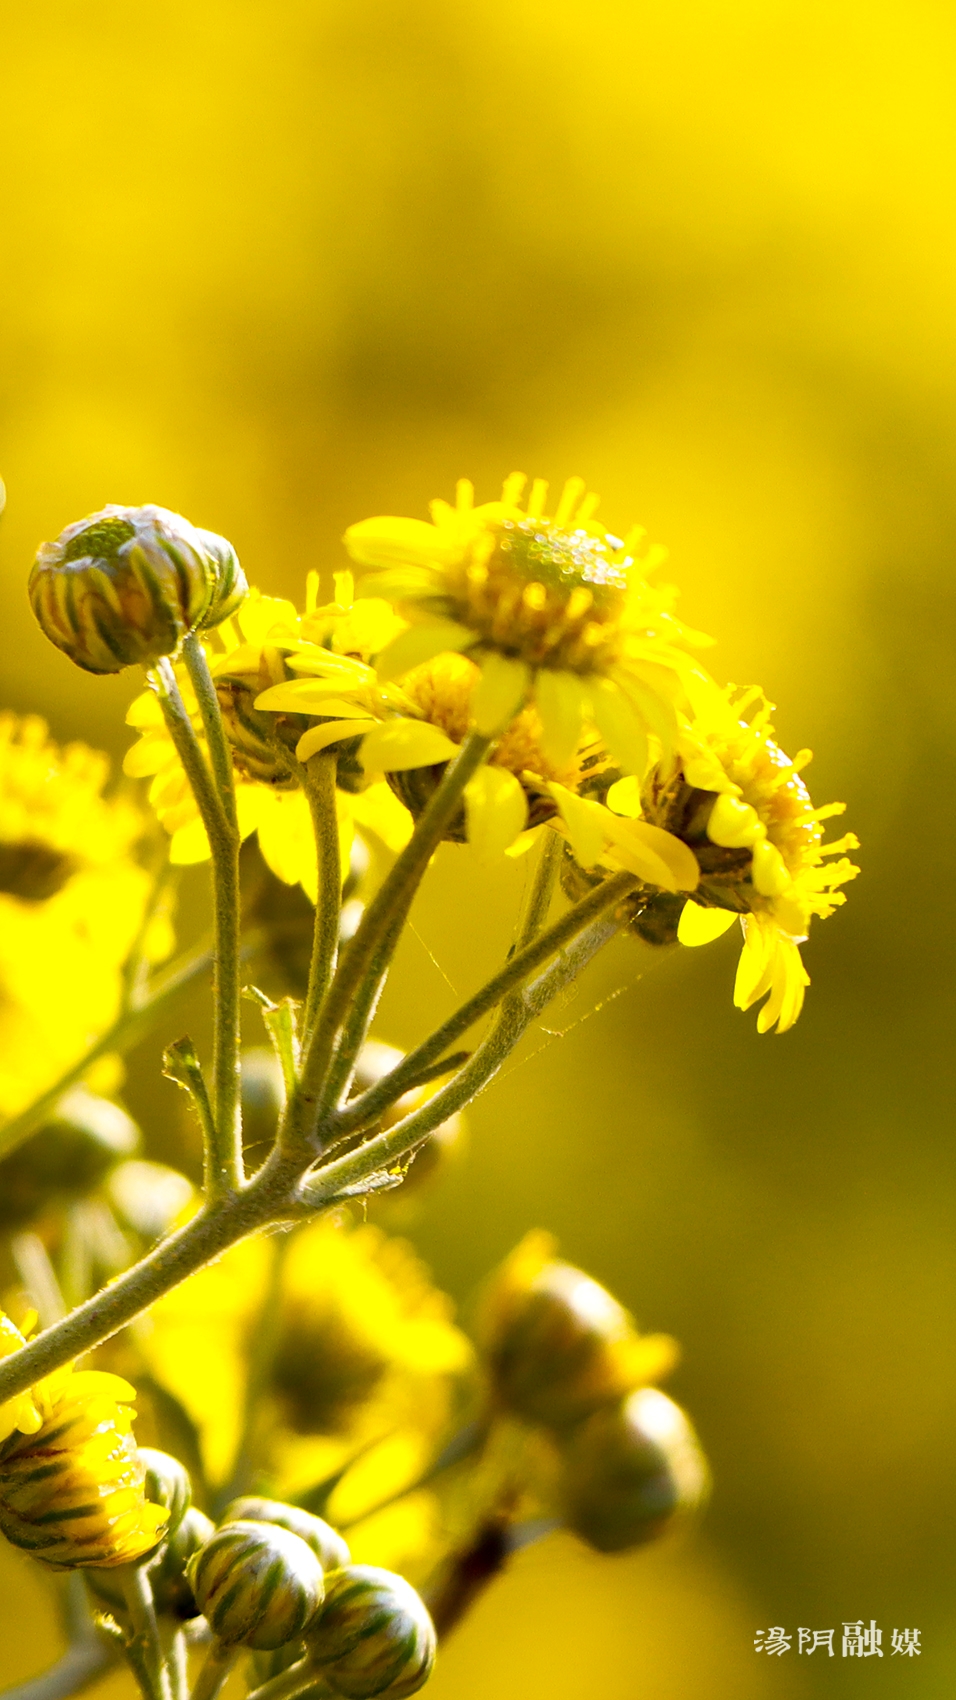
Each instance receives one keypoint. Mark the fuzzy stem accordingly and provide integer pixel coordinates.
(361, 963)
(319, 785)
(216, 803)
(145, 1649)
(300, 1676)
(214, 1671)
(369, 1106)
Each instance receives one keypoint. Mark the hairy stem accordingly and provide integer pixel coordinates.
(214, 1671)
(295, 1680)
(319, 785)
(380, 926)
(145, 1649)
(364, 1110)
(215, 800)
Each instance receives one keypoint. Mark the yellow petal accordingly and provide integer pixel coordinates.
(560, 701)
(421, 643)
(496, 809)
(260, 616)
(394, 745)
(144, 710)
(300, 696)
(189, 844)
(499, 693)
(733, 824)
(770, 874)
(378, 810)
(700, 926)
(149, 756)
(320, 737)
(624, 798)
(392, 542)
(619, 726)
(583, 822)
(653, 854)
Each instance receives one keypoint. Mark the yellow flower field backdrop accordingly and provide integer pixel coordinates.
(282, 268)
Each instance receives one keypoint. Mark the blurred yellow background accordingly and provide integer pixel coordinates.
(282, 267)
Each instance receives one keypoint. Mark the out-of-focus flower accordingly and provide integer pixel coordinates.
(71, 1482)
(630, 1471)
(556, 1344)
(364, 1359)
(256, 1584)
(327, 1544)
(738, 802)
(556, 609)
(374, 1636)
(126, 585)
(72, 901)
(68, 1156)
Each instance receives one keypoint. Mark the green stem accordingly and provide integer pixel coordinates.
(218, 1226)
(125, 1032)
(542, 889)
(214, 1671)
(319, 785)
(343, 1176)
(136, 966)
(295, 1680)
(175, 1654)
(145, 1649)
(216, 803)
(220, 755)
(366, 1109)
(379, 927)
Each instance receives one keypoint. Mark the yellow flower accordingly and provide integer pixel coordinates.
(72, 899)
(557, 609)
(71, 1481)
(733, 796)
(364, 1358)
(274, 645)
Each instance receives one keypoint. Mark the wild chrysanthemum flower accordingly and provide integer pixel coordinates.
(72, 897)
(554, 609)
(274, 645)
(734, 798)
(366, 1356)
(71, 1482)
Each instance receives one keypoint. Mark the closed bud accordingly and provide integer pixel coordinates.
(631, 1471)
(327, 1544)
(83, 1139)
(558, 1346)
(168, 1572)
(256, 1584)
(374, 1636)
(126, 585)
(166, 1482)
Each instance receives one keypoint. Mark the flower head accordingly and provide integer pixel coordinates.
(127, 585)
(71, 1481)
(732, 796)
(558, 609)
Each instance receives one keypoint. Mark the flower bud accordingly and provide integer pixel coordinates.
(558, 1345)
(327, 1544)
(126, 585)
(231, 588)
(71, 1482)
(172, 1591)
(631, 1470)
(166, 1482)
(83, 1139)
(374, 1635)
(256, 1584)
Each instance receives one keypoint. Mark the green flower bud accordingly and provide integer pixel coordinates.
(172, 1590)
(166, 1483)
(327, 1544)
(84, 1138)
(374, 1635)
(558, 1346)
(126, 585)
(631, 1471)
(256, 1584)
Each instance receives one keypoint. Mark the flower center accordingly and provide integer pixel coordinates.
(549, 597)
(104, 540)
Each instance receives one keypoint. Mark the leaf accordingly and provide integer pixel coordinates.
(281, 1021)
(181, 1063)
